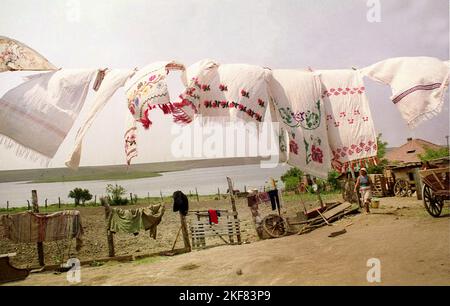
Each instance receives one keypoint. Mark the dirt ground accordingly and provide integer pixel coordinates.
(413, 248)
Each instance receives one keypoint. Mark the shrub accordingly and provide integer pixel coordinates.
(292, 172)
(115, 193)
(79, 194)
(291, 183)
(333, 181)
(431, 154)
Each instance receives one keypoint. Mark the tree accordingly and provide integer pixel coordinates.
(115, 193)
(381, 152)
(431, 154)
(332, 179)
(79, 194)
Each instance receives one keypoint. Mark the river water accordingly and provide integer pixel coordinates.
(206, 180)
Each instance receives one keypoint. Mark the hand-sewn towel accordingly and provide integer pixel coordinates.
(34, 227)
(15, 55)
(228, 90)
(297, 97)
(113, 80)
(36, 116)
(130, 138)
(147, 90)
(418, 85)
(351, 132)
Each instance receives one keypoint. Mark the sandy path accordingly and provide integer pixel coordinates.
(413, 247)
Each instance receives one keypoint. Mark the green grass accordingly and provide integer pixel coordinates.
(288, 196)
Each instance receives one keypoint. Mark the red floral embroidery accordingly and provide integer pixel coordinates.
(223, 87)
(206, 87)
(340, 91)
(245, 93)
(261, 103)
(316, 154)
(293, 147)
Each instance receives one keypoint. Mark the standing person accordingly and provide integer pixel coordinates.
(365, 188)
(272, 190)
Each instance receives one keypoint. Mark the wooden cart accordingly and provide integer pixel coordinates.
(436, 189)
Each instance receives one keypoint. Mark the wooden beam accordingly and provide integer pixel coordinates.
(233, 206)
(185, 233)
(40, 245)
(109, 235)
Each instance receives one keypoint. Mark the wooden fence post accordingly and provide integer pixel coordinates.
(40, 245)
(160, 193)
(131, 198)
(233, 206)
(109, 235)
(196, 193)
(28, 203)
(184, 231)
(418, 182)
(7, 205)
(45, 204)
(59, 202)
(218, 193)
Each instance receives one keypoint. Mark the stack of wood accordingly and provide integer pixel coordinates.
(333, 212)
(378, 185)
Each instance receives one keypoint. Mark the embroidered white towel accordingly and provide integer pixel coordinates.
(15, 55)
(147, 90)
(351, 131)
(36, 116)
(229, 90)
(299, 107)
(130, 138)
(418, 85)
(114, 79)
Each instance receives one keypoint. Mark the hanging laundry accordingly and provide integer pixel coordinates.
(113, 80)
(213, 216)
(34, 227)
(418, 85)
(15, 55)
(134, 220)
(147, 90)
(130, 138)
(227, 91)
(180, 202)
(351, 132)
(299, 108)
(36, 116)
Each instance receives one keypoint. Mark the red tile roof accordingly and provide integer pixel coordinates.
(409, 151)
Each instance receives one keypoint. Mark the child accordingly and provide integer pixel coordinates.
(365, 188)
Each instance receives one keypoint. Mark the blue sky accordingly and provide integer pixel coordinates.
(325, 34)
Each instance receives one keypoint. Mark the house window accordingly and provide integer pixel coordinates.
(411, 151)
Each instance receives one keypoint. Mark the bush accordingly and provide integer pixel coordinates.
(333, 181)
(291, 183)
(292, 172)
(115, 193)
(79, 194)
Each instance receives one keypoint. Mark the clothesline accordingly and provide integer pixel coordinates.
(324, 114)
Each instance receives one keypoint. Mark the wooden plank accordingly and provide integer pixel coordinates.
(336, 210)
(40, 245)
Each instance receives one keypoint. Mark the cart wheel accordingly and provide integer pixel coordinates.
(401, 188)
(275, 226)
(432, 203)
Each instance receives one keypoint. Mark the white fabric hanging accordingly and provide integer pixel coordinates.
(36, 116)
(299, 109)
(147, 90)
(228, 90)
(351, 131)
(113, 80)
(418, 85)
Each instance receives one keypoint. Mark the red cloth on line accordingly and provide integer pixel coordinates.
(213, 216)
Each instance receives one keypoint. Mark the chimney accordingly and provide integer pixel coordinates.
(409, 139)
